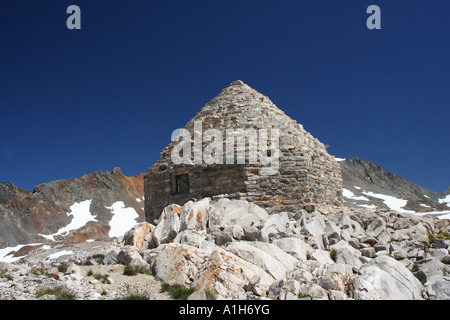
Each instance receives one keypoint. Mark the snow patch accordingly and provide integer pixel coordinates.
(5, 255)
(59, 254)
(392, 202)
(81, 215)
(445, 216)
(350, 195)
(339, 159)
(123, 219)
(48, 236)
(445, 200)
(439, 214)
(369, 206)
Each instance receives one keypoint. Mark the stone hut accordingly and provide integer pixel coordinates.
(300, 173)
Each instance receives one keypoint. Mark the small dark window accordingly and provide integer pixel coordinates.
(181, 183)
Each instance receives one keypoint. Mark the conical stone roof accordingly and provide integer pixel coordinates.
(306, 174)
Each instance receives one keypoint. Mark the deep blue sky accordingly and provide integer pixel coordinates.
(77, 101)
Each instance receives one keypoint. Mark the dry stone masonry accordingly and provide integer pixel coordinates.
(306, 176)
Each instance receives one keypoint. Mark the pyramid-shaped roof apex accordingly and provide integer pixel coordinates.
(240, 106)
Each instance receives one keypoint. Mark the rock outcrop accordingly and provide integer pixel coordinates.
(338, 254)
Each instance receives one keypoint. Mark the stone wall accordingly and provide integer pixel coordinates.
(204, 181)
(307, 174)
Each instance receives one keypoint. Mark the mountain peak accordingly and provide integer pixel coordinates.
(117, 171)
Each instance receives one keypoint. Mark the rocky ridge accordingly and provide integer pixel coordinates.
(236, 250)
(26, 217)
(365, 180)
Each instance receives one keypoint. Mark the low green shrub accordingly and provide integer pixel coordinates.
(38, 271)
(136, 296)
(442, 236)
(60, 292)
(103, 278)
(210, 295)
(4, 274)
(333, 254)
(132, 271)
(177, 292)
